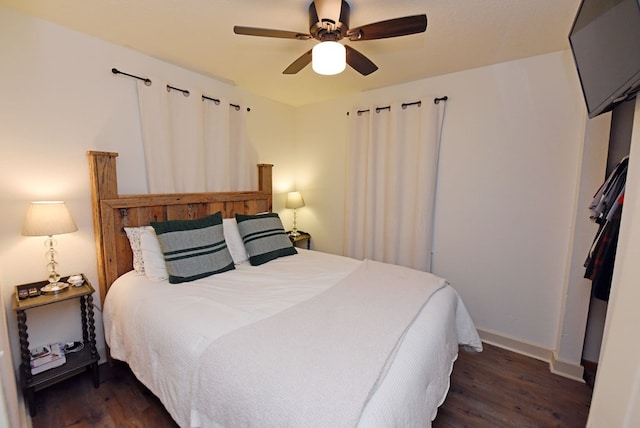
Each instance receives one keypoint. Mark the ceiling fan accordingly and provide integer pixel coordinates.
(329, 22)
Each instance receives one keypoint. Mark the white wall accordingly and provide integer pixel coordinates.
(508, 186)
(59, 100)
(616, 396)
(10, 414)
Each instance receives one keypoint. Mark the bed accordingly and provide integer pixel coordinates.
(305, 339)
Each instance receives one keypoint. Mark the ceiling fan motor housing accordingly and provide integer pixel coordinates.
(324, 29)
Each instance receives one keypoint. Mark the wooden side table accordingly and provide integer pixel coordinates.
(300, 239)
(76, 362)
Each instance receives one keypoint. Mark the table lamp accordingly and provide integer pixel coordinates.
(48, 218)
(294, 200)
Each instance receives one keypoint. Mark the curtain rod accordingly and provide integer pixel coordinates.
(403, 105)
(185, 92)
(217, 101)
(144, 79)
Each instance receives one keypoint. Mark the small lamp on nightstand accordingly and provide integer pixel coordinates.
(294, 200)
(48, 218)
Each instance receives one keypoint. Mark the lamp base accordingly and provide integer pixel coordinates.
(54, 288)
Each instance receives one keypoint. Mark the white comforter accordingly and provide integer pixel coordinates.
(162, 330)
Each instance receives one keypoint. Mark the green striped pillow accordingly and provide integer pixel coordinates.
(193, 249)
(264, 237)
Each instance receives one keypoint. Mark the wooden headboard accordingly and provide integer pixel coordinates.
(112, 212)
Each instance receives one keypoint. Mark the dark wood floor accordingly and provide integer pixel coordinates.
(498, 388)
(495, 388)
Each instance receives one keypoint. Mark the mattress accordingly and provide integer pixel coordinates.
(162, 331)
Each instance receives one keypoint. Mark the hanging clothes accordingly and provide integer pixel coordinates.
(606, 210)
(607, 194)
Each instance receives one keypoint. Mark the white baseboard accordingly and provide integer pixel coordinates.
(566, 369)
(556, 366)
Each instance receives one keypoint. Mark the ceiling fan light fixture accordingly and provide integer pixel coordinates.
(329, 58)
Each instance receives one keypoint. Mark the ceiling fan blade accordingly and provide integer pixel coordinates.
(299, 63)
(390, 28)
(359, 62)
(266, 32)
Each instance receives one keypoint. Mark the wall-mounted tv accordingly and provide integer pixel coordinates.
(605, 41)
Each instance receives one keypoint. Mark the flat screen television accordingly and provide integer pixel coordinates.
(605, 41)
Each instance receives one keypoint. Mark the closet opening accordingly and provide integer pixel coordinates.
(618, 149)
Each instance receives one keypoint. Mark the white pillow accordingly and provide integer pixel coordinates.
(152, 256)
(234, 240)
(133, 234)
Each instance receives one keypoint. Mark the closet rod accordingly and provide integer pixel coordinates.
(144, 79)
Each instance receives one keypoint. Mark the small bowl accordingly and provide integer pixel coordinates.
(76, 280)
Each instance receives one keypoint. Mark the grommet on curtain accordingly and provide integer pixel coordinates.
(403, 105)
(184, 91)
(215, 100)
(415, 103)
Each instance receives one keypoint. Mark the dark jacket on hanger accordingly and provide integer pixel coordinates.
(606, 210)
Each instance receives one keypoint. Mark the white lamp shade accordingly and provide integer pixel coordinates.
(46, 218)
(328, 58)
(294, 200)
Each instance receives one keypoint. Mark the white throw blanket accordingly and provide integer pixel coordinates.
(315, 364)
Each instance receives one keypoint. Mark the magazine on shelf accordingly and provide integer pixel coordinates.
(47, 357)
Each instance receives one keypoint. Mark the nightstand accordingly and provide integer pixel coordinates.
(300, 239)
(76, 362)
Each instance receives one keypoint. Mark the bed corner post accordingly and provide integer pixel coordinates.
(104, 185)
(265, 183)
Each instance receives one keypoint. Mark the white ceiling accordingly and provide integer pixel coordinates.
(198, 35)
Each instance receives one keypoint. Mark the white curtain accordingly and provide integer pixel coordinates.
(230, 162)
(391, 183)
(192, 144)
